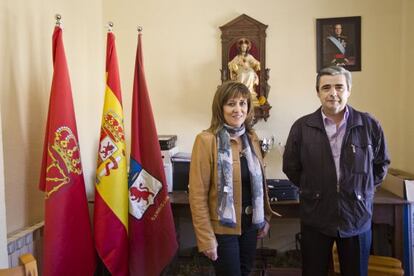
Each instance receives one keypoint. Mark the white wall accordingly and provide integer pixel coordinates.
(4, 261)
(3, 221)
(408, 86)
(182, 50)
(26, 29)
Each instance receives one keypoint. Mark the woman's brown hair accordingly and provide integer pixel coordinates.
(226, 91)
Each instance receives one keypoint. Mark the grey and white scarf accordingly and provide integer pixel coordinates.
(225, 209)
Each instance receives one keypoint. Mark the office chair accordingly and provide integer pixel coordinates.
(28, 267)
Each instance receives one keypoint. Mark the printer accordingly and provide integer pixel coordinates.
(181, 170)
(168, 149)
(282, 189)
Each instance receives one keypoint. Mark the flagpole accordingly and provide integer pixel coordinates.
(151, 226)
(68, 247)
(111, 186)
(58, 18)
(110, 26)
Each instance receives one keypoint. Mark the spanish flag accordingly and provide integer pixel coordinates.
(111, 187)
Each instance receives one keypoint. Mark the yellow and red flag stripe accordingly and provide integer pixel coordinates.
(111, 187)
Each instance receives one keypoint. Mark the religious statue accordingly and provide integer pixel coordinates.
(244, 68)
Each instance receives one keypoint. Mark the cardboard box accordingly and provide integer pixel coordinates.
(394, 184)
(400, 184)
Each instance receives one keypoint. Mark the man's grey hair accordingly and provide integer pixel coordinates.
(333, 71)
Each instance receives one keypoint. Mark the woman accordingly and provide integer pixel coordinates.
(228, 196)
(244, 66)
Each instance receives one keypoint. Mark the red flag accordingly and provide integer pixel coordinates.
(151, 227)
(68, 246)
(111, 189)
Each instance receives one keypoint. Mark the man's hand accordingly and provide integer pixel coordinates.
(263, 232)
(211, 253)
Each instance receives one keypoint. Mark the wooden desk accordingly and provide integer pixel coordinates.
(388, 209)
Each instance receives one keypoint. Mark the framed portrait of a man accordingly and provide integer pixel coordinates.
(338, 42)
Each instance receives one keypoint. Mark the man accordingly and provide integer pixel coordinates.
(336, 47)
(336, 156)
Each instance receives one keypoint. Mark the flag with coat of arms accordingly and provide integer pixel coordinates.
(67, 244)
(152, 233)
(111, 187)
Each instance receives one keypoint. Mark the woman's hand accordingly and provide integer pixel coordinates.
(263, 232)
(211, 253)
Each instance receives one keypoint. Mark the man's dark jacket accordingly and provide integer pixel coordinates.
(326, 205)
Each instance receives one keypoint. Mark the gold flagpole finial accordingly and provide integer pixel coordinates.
(58, 18)
(110, 26)
(139, 29)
